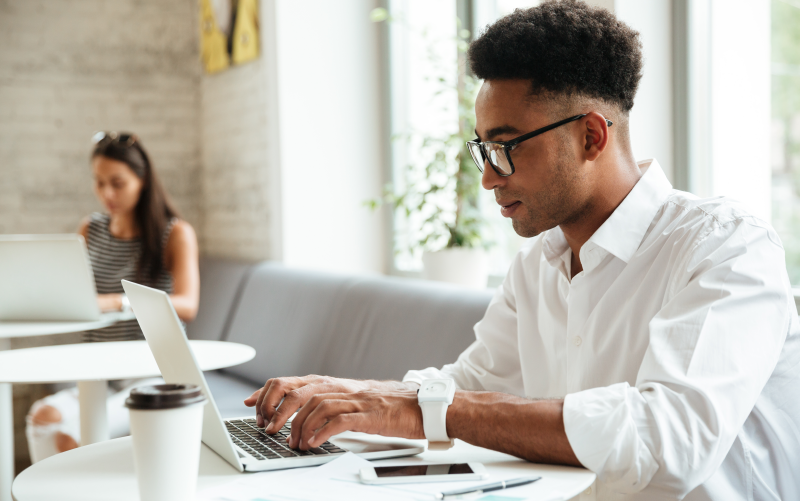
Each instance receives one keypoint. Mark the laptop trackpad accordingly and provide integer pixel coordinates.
(377, 447)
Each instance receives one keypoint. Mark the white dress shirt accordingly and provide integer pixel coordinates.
(676, 349)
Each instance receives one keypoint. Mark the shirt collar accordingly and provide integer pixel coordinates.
(622, 233)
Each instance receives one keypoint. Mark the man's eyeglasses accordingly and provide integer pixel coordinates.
(498, 153)
(124, 139)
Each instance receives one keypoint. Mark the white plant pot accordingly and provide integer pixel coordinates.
(465, 267)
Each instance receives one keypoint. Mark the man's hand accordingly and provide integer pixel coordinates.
(389, 413)
(296, 391)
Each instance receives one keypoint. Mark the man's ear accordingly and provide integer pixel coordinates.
(595, 135)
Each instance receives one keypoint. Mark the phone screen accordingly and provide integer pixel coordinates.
(423, 470)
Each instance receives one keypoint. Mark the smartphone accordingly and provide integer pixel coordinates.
(417, 473)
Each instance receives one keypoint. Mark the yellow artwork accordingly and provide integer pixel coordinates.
(228, 33)
(245, 33)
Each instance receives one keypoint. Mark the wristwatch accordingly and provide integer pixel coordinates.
(434, 397)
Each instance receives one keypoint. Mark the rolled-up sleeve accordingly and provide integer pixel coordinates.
(492, 361)
(713, 346)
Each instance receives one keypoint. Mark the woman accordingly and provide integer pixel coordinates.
(139, 238)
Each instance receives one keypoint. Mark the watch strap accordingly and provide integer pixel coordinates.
(434, 419)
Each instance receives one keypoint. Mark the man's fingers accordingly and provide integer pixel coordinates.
(262, 394)
(274, 393)
(311, 403)
(252, 399)
(295, 401)
(327, 410)
(292, 401)
(331, 405)
(339, 424)
(281, 389)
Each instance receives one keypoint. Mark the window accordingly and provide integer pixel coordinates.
(424, 74)
(785, 130)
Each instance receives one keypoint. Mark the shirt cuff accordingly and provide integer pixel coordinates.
(602, 431)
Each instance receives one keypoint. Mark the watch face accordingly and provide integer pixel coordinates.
(436, 388)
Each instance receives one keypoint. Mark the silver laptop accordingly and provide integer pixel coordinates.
(46, 278)
(239, 441)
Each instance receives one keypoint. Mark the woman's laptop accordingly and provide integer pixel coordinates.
(46, 278)
(239, 441)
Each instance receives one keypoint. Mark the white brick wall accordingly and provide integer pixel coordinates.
(235, 158)
(71, 67)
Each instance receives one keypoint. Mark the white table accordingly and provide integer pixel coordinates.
(10, 330)
(92, 365)
(105, 471)
(27, 329)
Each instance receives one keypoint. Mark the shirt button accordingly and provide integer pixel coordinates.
(577, 340)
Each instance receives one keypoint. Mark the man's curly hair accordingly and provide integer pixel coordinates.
(564, 48)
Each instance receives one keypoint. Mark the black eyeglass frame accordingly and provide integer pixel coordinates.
(506, 145)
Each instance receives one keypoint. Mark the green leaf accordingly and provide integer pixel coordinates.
(378, 15)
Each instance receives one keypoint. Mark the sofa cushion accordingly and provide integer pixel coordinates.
(386, 326)
(220, 283)
(286, 314)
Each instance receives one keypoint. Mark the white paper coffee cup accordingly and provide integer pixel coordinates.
(167, 428)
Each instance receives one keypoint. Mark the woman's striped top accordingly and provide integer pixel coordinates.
(113, 260)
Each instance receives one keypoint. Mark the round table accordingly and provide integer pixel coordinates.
(15, 329)
(27, 329)
(105, 471)
(92, 365)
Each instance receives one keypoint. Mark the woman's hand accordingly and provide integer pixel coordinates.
(109, 302)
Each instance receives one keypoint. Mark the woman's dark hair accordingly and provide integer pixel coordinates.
(154, 209)
(563, 47)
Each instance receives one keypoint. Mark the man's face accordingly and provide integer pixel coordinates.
(549, 185)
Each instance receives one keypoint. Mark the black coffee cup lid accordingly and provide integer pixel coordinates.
(164, 396)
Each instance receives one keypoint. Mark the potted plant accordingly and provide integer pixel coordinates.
(438, 193)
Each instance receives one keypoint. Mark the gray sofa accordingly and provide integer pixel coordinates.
(307, 322)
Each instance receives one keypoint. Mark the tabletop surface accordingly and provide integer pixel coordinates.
(105, 471)
(107, 361)
(27, 329)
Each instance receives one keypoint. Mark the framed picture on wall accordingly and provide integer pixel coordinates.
(228, 33)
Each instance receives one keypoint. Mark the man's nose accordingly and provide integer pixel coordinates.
(490, 179)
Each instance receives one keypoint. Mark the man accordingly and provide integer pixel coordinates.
(645, 334)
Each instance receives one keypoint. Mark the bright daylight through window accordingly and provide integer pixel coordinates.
(435, 183)
(786, 130)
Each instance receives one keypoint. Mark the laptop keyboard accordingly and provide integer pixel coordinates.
(257, 443)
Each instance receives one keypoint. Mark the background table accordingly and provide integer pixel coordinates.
(10, 330)
(92, 365)
(26, 329)
(105, 471)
